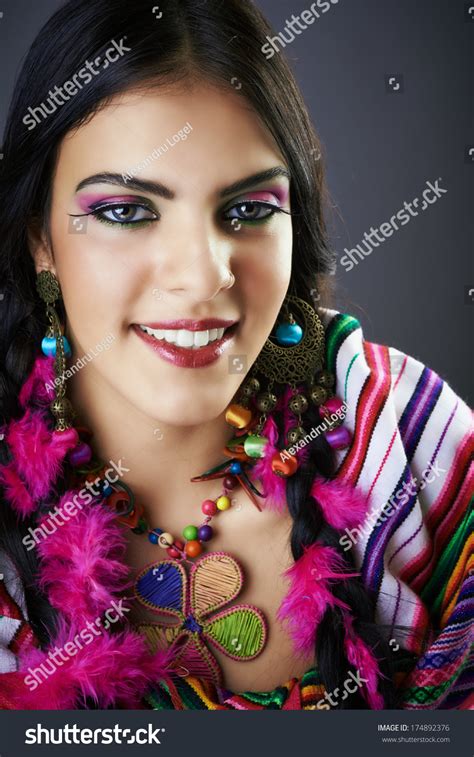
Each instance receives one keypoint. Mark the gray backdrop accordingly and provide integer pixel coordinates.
(382, 143)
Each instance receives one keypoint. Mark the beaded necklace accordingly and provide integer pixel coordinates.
(190, 598)
(121, 500)
(190, 603)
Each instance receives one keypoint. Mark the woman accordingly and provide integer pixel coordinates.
(198, 464)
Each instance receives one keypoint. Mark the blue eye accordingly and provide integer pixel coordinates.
(252, 212)
(124, 214)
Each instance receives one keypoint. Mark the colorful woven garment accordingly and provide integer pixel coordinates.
(418, 559)
(411, 454)
(305, 693)
(192, 693)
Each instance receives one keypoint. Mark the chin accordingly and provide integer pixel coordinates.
(190, 410)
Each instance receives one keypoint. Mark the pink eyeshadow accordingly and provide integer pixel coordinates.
(85, 201)
(279, 193)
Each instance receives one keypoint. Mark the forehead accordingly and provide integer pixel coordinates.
(225, 136)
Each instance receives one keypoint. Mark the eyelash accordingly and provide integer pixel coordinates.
(98, 213)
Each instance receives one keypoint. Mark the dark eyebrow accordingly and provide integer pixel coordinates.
(258, 178)
(154, 187)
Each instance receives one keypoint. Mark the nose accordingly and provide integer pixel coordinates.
(196, 266)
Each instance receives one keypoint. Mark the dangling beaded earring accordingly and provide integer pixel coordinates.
(56, 345)
(295, 357)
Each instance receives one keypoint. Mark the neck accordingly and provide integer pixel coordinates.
(158, 459)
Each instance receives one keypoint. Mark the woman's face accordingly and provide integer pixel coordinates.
(158, 247)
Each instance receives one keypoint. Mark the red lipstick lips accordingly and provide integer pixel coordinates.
(188, 357)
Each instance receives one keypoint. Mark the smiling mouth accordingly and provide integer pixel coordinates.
(186, 339)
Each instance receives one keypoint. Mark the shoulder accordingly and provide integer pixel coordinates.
(407, 425)
(382, 383)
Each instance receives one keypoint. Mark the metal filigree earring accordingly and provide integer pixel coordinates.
(55, 345)
(294, 356)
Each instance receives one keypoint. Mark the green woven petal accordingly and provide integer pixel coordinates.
(239, 632)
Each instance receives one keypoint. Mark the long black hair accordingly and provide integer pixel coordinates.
(215, 40)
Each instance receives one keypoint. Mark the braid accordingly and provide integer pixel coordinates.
(309, 527)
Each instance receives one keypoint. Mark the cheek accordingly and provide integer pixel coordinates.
(265, 271)
(94, 284)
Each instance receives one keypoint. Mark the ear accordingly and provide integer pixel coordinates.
(40, 247)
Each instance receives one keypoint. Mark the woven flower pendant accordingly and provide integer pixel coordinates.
(190, 606)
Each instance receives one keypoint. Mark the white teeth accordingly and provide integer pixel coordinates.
(185, 338)
(201, 338)
(170, 335)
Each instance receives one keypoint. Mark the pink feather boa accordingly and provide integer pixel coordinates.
(83, 566)
(113, 670)
(363, 660)
(82, 572)
(37, 451)
(343, 505)
(40, 383)
(37, 457)
(273, 486)
(307, 599)
(82, 569)
(309, 594)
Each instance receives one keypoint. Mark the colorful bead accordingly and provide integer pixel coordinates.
(190, 533)
(106, 489)
(165, 539)
(132, 517)
(238, 416)
(254, 445)
(339, 438)
(209, 507)
(141, 527)
(80, 455)
(235, 449)
(67, 347)
(288, 334)
(176, 549)
(120, 502)
(193, 548)
(230, 482)
(223, 503)
(235, 468)
(205, 533)
(48, 346)
(68, 435)
(154, 535)
(286, 467)
(332, 405)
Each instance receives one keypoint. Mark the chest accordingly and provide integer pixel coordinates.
(263, 557)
